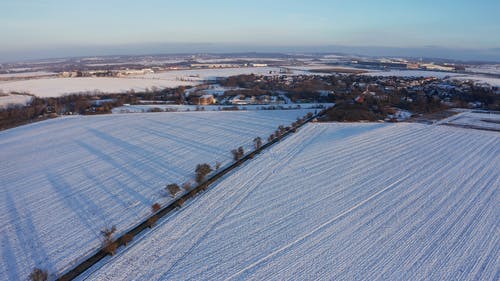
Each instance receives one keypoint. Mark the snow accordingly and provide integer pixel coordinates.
(64, 180)
(489, 68)
(27, 74)
(401, 115)
(337, 202)
(411, 73)
(12, 99)
(212, 73)
(480, 79)
(53, 87)
(479, 120)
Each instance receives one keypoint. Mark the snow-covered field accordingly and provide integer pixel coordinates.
(210, 74)
(53, 87)
(489, 68)
(481, 79)
(338, 202)
(490, 121)
(411, 73)
(27, 74)
(10, 99)
(66, 179)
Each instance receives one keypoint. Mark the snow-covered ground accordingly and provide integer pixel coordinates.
(337, 202)
(27, 74)
(411, 73)
(172, 107)
(481, 79)
(53, 87)
(210, 74)
(11, 99)
(64, 180)
(478, 120)
(489, 68)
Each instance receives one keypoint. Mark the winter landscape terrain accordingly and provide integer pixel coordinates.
(337, 201)
(53, 87)
(65, 180)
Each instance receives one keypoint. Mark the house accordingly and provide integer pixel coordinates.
(203, 100)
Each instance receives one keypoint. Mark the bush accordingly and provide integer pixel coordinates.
(108, 232)
(238, 153)
(202, 170)
(127, 238)
(217, 165)
(155, 207)
(152, 221)
(180, 202)
(173, 189)
(257, 142)
(186, 186)
(108, 246)
(39, 275)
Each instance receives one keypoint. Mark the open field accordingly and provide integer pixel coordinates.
(53, 87)
(412, 73)
(66, 179)
(7, 100)
(338, 202)
(475, 120)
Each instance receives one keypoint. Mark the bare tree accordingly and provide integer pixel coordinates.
(257, 142)
(202, 170)
(108, 245)
(173, 189)
(155, 207)
(39, 275)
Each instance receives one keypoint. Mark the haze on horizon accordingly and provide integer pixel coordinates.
(459, 29)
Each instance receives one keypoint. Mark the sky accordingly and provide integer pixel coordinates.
(54, 28)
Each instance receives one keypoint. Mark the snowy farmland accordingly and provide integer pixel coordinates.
(411, 73)
(53, 87)
(7, 100)
(478, 120)
(337, 202)
(66, 179)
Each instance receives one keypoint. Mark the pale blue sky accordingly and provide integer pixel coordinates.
(28, 25)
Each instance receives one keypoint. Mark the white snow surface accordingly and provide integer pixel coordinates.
(212, 73)
(338, 202)
(54, 87)
(480, 79)
(27, 74)
(476, 120)
(64, 180)
(411, 73)
(12, 99)
(489, 68)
